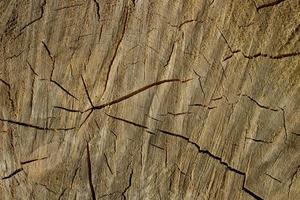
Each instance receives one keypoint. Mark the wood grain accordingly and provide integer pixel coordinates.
(144, 99)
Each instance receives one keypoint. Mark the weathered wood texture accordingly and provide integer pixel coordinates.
(150, 99)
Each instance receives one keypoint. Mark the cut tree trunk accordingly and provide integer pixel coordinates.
(150, 99)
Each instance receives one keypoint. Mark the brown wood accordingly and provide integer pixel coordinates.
(146, 99)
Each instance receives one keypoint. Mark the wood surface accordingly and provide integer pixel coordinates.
(150, 99)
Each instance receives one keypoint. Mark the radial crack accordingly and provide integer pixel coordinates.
(35, 126)
(61, 87)
(33, 160)
(90, 172)
(13, 174)
(99, 107)
(127, 121)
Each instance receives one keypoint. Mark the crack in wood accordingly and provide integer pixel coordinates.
(128, 186)
(35, 126)
(42, 11)
(93, 193)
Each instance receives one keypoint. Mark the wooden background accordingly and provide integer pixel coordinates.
(149, 99)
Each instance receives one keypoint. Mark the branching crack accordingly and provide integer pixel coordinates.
(90, 172)
(215, 157)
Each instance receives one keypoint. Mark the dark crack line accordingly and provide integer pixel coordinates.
(274, 3)
(264, 55)
(74, 176)
(35, 126)
(48, 189)
(31, 68)
(85, 119)
(42, 7)
(107, 163)
(260, 105)
(127, 121)
(272, 177)
(178, 114)
(202, 105)
(67, 109)
(13, 173)
(129, 185)
(48, 51)
(97, 9)
(62, 193)
(258, 140)
(232, 54)
(61, 87)
(99, 107)
(33, 160)
(154, 145)
(275, 57)
(296, 134)
(90, 172)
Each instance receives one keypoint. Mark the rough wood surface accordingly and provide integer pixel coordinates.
(150, 99)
